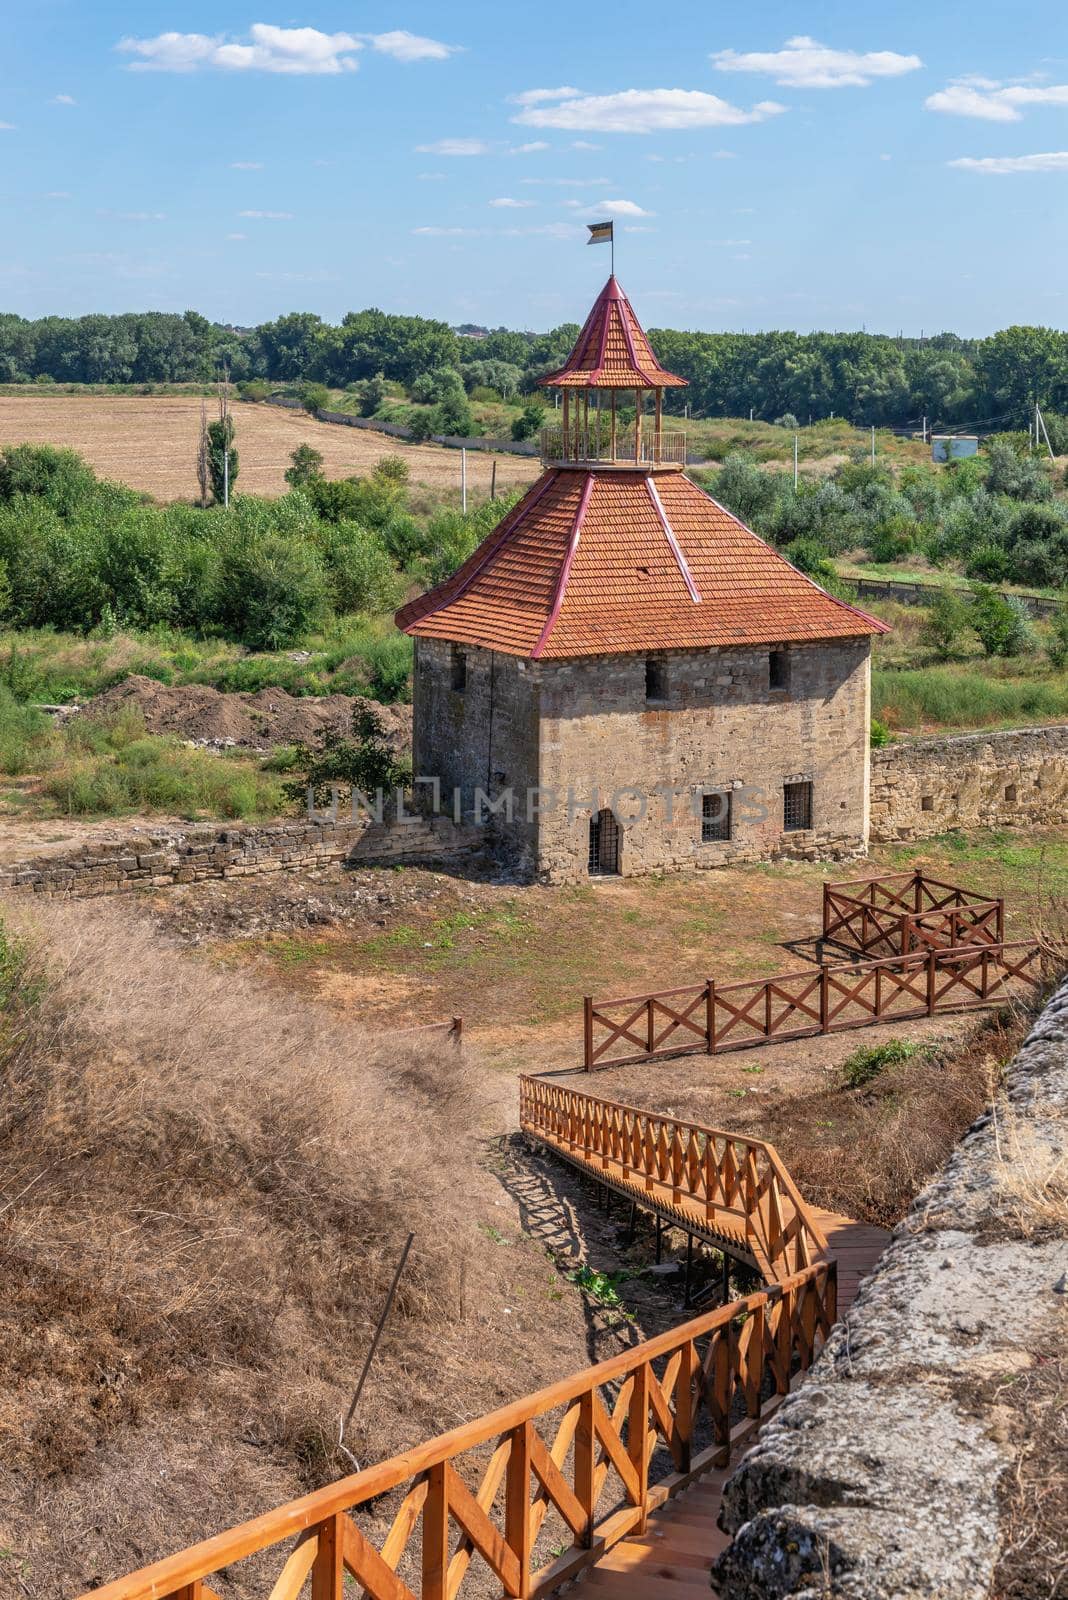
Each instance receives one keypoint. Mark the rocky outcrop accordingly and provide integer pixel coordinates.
(881, 1477)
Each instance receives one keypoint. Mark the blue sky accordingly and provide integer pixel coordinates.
(830, 166)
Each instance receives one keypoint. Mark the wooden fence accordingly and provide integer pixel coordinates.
(451, 1027)
(738, 1188)
(908, 911)
(565, 1473)
(712, 1017)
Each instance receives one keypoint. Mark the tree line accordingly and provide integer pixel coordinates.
(865, 378)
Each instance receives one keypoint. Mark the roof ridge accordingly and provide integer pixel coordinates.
(565, 570)
(669, 534)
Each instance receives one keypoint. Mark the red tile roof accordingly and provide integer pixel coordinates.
(606, 562)
(612, 351)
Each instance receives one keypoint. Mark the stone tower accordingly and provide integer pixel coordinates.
(624, 678)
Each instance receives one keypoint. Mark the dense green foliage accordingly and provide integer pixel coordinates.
(867, 378)
(365, 762)
(994, 515)
(79, 554)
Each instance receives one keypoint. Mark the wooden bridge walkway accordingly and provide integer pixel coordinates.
(671, 1560)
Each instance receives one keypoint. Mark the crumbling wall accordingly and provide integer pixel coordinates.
(1011, 779)
(881, 1477)
(156, 858)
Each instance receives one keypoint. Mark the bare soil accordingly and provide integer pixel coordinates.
(261, 721)
(150, 442)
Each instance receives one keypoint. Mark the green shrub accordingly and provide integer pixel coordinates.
(306, 463)
(271, 590)
(868, 1061)
(314, 397)
(1057, 643)
(880, 734)
(948, 622)
(364, 761)
(1001, 622)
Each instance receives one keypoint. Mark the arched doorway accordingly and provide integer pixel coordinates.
(605, 839)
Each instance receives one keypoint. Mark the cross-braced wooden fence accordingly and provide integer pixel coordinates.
(713, 1017)
(908, 911)
(563, 1474)
(734, 1188)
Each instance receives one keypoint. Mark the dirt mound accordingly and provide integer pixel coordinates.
(260, 721)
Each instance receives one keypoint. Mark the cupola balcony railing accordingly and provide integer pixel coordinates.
(620, 447)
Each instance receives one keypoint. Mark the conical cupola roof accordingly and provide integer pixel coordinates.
(612, 351)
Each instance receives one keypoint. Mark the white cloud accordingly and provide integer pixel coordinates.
(584, 144)
(7, 127)
(247, 166)
(237, 235)
(268, 216)
(506, 204)
(644, 111)
(529, 149)
(804, 63)
(622, 208)
(63, 100)
(454, 147)
(58, 194)
(995, 102)
(269, 49)
(999, 166)
(431, 177)
(533, 97)
(636, 227)
(449, 233)
(404, 46)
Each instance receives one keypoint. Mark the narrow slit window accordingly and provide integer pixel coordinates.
(796, 807)
(715, 817)
(655, 680)
(778, 669)
(459, 669)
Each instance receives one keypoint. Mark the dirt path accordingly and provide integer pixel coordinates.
(150, 443)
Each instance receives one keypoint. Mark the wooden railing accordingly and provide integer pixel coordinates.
(714, 1017)
(586, 444)
(908, 911)
(737, 1186)
(563, 1474)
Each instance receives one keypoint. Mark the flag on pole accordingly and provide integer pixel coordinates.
(600, 233)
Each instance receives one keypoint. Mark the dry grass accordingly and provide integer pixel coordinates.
(150, 443)
(203, 1194)
(1034, 1497)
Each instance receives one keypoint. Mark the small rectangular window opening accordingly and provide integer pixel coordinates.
(796, 807)
(778, 669)
(927, 802)
(715, 817)
(655, 679)
(459, 669)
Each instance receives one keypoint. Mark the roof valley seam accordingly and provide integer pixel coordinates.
(669, 534)
(565, 571)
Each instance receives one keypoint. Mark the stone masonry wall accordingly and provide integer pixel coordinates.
(155, 859)
(880, 1478)
(971, 781)
(720, 727)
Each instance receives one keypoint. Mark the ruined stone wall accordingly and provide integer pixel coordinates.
(720, 727)
(882, 1476)
(974, 780)
(155, 859)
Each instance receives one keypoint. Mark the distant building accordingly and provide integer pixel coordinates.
(669, 689)
(953, 446)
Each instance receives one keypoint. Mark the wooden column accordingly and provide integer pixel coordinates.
(637, 424)
(567, 414)
(656, 425)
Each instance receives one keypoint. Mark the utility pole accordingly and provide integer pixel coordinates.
(1039, 418)
(795, 461)
(750, 413)
(873, 444)
(925, 430)
(463, 479)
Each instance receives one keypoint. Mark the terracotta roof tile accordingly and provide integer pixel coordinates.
(612, 351)
(584, 565)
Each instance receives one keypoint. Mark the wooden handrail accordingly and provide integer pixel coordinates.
(712, 1361)
(656, 1150)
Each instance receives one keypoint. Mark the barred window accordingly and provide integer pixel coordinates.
(715, 817)
(796, 807)
(459, 669)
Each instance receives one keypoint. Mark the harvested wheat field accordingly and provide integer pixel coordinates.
(150, 443)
